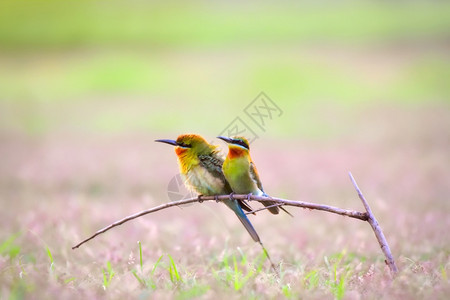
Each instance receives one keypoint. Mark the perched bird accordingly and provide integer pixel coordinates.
(201, 167)
(240, 171)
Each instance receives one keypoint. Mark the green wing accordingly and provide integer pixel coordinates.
(255, 176)
(214, 165)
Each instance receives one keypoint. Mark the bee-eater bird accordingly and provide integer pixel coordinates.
(201, 167)
(240, 171)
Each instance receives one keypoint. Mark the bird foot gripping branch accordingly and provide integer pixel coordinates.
(200, 198)
(249, 195)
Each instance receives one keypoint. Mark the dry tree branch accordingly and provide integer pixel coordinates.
(367, 216)
(376, 229)
(336, 210)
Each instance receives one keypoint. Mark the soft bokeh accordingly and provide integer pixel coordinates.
(85, 88)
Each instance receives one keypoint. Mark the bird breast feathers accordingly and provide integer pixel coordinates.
(204, 182)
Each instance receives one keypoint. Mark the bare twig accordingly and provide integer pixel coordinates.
(376, 229)
(139, 214)
(328, 208)
(263, 208)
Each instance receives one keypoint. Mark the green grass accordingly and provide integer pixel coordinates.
(10, 249)
(175, 277)
(108, 275)
(339, 274)
(235, 273)
(146, 281)
(52, 263)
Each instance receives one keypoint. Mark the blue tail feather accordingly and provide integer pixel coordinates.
(234, 205)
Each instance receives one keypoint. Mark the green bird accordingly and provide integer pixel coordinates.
(201, 168)
(241, 172)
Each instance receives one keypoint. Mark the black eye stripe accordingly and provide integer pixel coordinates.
(184, 145)
(241, 143)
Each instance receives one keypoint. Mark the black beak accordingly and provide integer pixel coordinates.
(226, 139)
(170, 142)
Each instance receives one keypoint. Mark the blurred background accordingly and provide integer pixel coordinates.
(141, 66)
(85, 88)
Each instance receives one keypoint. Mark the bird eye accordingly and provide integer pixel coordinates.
(184, 145)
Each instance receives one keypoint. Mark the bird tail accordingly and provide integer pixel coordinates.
(233, 204)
